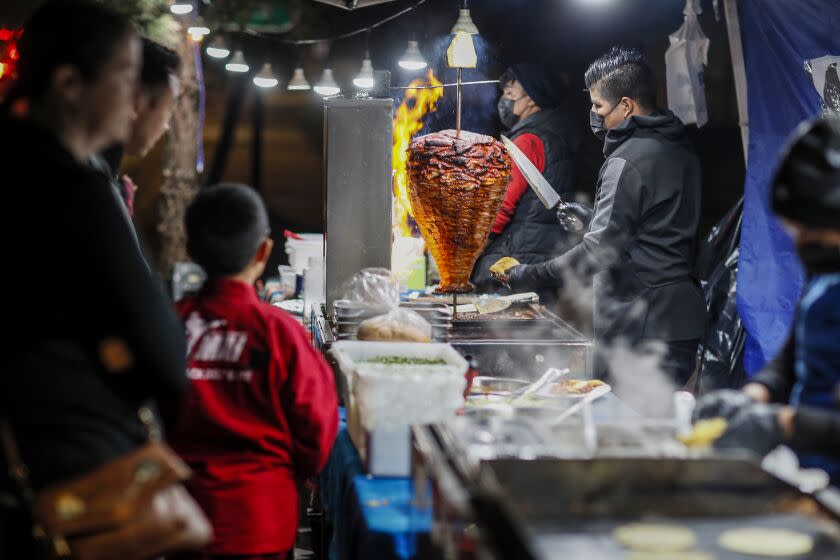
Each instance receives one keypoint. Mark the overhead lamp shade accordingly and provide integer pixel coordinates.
(365, 78)
(217, 48)
(265, 79)
(199, 29)
(461, 52)
(237, 63)
(181, 8)
(298, 81)
(413, 58)
(464, 24)
(327, 84)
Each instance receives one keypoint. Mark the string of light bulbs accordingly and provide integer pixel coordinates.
(411, 60)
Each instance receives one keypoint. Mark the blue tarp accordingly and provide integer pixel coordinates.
(778, 36)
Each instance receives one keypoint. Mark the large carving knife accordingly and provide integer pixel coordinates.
(543, 189)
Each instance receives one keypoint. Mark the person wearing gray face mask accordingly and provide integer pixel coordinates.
(639, 250)
(532, 109)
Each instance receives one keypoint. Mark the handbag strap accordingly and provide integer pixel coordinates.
(17, 470)
(53, 546)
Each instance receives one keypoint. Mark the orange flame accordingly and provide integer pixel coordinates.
(408, 120)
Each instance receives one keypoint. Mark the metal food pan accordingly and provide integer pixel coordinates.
(484, 385)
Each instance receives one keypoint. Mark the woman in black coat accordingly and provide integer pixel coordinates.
(91, 336)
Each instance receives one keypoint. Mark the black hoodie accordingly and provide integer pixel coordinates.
(641, 246)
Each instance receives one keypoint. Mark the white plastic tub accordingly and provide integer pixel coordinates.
(299, 250)
(390, 395)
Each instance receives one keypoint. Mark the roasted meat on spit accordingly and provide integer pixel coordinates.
(456, 183)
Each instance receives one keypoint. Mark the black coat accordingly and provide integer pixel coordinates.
(641, 246)
(533, 234)
(74, 278)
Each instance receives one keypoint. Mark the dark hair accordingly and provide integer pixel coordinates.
(225, 225)
(159, 63)
(623, 72)
(507, 77)
(65, 32)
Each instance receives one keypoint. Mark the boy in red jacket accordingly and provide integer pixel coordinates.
(261, 409)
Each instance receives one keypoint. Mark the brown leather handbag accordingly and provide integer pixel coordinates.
(134, 507)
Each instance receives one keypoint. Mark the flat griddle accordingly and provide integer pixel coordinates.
(589, 498)
(593, 539)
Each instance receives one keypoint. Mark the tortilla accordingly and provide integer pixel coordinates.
(649, 537)
(775, 543)
(705, 432)
(686, 555)
(503, 265)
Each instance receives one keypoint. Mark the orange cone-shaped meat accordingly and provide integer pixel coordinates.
(456, 184)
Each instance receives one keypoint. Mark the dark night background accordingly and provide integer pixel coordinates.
(565, 35)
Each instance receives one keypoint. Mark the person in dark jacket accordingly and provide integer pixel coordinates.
(795, 399)
(641, 244)
(91, 335)
(531, 108)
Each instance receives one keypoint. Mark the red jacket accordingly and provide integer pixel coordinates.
(261, 412)
(533, 147)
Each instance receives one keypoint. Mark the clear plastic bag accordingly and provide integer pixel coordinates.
(397, 325)
(825, 75)
(374, 287)
(379, 288)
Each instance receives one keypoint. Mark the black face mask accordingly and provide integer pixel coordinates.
(506, 114)
(819, 259)
(596, 123)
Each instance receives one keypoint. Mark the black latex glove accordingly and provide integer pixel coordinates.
(574, 217)
(755, 428)
(516, 277)
(725, 403)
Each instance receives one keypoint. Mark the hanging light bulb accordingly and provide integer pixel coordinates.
(298, 81)
(464, 24)
(217, 48)
(237, 63)
(198, 30)
(413, 58)
(181, 8)
(327, 85)
(265, 79)
(365, 78)
(461, 52)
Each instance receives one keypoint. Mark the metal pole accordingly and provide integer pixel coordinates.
(458, 106)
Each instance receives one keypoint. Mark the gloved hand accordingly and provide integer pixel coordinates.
(573, 216)
(516, 276)
(725, 404)
(755, 428)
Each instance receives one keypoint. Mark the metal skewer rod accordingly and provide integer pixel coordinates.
(455, 307)
(453, 84)
(458, 105)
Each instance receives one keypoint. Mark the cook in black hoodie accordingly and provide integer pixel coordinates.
(640, 246)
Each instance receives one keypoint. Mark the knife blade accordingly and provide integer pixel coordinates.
(543, 189)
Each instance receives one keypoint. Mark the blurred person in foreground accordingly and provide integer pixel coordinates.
(155, 101)
(640, 247)
(92, 337)
(261, 411)
(795, 399)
